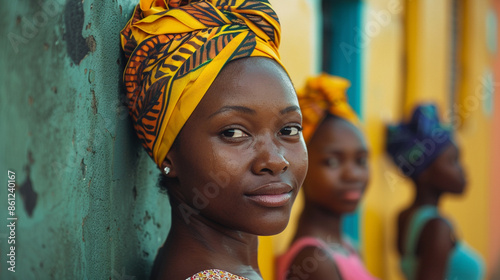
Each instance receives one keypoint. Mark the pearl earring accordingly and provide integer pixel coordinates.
(166, 170)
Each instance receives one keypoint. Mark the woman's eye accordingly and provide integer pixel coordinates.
(362, 161)
(333, 162)
(291, 130)
(234, 133)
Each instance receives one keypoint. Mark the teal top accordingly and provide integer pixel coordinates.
(464, 263)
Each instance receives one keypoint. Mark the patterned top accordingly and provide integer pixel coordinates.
(215, 274)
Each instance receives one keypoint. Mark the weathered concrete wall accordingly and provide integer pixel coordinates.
(86, 200)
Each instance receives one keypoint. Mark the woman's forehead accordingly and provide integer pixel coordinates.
(335, 133)
(251, 82)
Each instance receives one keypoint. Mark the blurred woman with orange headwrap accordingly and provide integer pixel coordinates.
(336, 180)
(217, 112)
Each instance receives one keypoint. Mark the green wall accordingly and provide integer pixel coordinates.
(87, 204)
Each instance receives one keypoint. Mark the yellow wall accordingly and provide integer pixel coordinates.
(383, 100)
(428, 48)
(300, 37)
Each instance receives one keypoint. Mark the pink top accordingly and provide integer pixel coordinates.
(350, 267)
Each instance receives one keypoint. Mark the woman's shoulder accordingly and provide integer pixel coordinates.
(417, 219)
(215, 274)
(299, 245)
(314, 262)
(308, 257)
(430, 220)
(416, 224)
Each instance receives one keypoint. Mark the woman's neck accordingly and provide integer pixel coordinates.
(320, 223)
(426, 195)
(196, 244)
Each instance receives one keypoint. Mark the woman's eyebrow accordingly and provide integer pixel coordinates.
(241, 109)
(341, 151)
(293, 108)
(246, 110)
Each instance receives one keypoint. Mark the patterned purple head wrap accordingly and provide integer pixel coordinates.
(413, 146)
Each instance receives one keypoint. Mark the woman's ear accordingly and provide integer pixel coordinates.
(168, 167)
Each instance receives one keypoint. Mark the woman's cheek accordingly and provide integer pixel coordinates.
(301, 161)
(230, 163)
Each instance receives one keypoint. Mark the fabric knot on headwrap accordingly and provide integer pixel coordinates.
(413, 146)
(176, 49)
(322, 95)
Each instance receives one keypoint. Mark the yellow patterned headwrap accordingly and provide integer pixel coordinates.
(322, 95)
(176, 49)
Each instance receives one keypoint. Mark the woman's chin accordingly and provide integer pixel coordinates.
(278, 229)
(270, 226)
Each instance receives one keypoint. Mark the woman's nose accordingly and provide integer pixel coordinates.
(269, 158)
(352, 172)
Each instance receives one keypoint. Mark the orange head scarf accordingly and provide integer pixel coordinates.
(322, 95)
(176, 49)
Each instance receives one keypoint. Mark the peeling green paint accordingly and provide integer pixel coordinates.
(97, 212)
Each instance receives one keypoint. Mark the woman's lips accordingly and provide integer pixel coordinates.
(271, 200)
(271, 195)
(353, 195)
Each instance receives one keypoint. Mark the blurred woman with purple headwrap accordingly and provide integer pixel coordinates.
(424, 150)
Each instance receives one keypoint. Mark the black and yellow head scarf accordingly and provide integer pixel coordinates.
(176, 49)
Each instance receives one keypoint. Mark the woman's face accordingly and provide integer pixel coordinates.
(240, 158)
(338, 171)
(446, 172)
